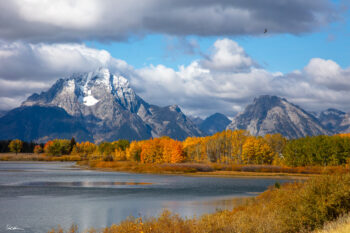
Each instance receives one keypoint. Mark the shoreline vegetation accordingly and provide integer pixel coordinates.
(188, 169)
(308, 206)
(213, 170)
(227, 153)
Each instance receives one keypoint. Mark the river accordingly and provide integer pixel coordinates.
(34, 197)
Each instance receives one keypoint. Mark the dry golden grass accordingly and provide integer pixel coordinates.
(37, 157)
(22, 157)
(213, 169)
(342, 225)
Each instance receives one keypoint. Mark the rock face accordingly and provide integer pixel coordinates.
(271, 114)
(214, 123)
(109, 109)
(331, 119)
(344, 126)
(196, 120)
(169, 121)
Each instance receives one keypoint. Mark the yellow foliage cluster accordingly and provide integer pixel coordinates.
(234, 147)
(84, 149)
(119, 154)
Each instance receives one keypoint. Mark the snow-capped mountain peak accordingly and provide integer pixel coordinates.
(88, 89)
(110, 108)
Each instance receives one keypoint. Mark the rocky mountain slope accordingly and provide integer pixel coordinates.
(109, 109)
(196, 120)
(214, 123)
(271, 114)
(2, 113)
(331, 119)
(344, 126)
(42, 123)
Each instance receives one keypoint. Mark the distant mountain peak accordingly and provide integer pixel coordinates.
(102, 78)
(87, 89)
(214, 123)
(175, 108)
(333, 119)
(273, 114)
(333, 111)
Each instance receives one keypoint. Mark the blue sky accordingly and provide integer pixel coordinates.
(275, 52)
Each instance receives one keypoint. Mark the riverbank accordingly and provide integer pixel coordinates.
(213, 170)
(187, 169)
(37, 157)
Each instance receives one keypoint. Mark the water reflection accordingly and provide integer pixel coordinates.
(85, 184)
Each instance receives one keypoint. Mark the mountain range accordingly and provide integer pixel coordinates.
(100, 106)
(272, 114)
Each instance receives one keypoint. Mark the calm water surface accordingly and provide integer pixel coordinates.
(34, 197)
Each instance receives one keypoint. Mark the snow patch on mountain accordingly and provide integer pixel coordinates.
(90, 100)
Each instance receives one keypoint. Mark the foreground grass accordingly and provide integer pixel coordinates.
(295, 207)
(341, 225)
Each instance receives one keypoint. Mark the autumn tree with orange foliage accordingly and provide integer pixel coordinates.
(152, 151)
(172, 151)
(160, 150)
(38, 149)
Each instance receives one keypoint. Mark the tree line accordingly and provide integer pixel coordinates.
(27, 147)
(227, 147)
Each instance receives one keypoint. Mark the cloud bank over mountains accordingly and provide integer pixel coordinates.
(222, 81)
(42, 40)
(42, 21)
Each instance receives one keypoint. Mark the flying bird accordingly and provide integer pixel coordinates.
(265, 30)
